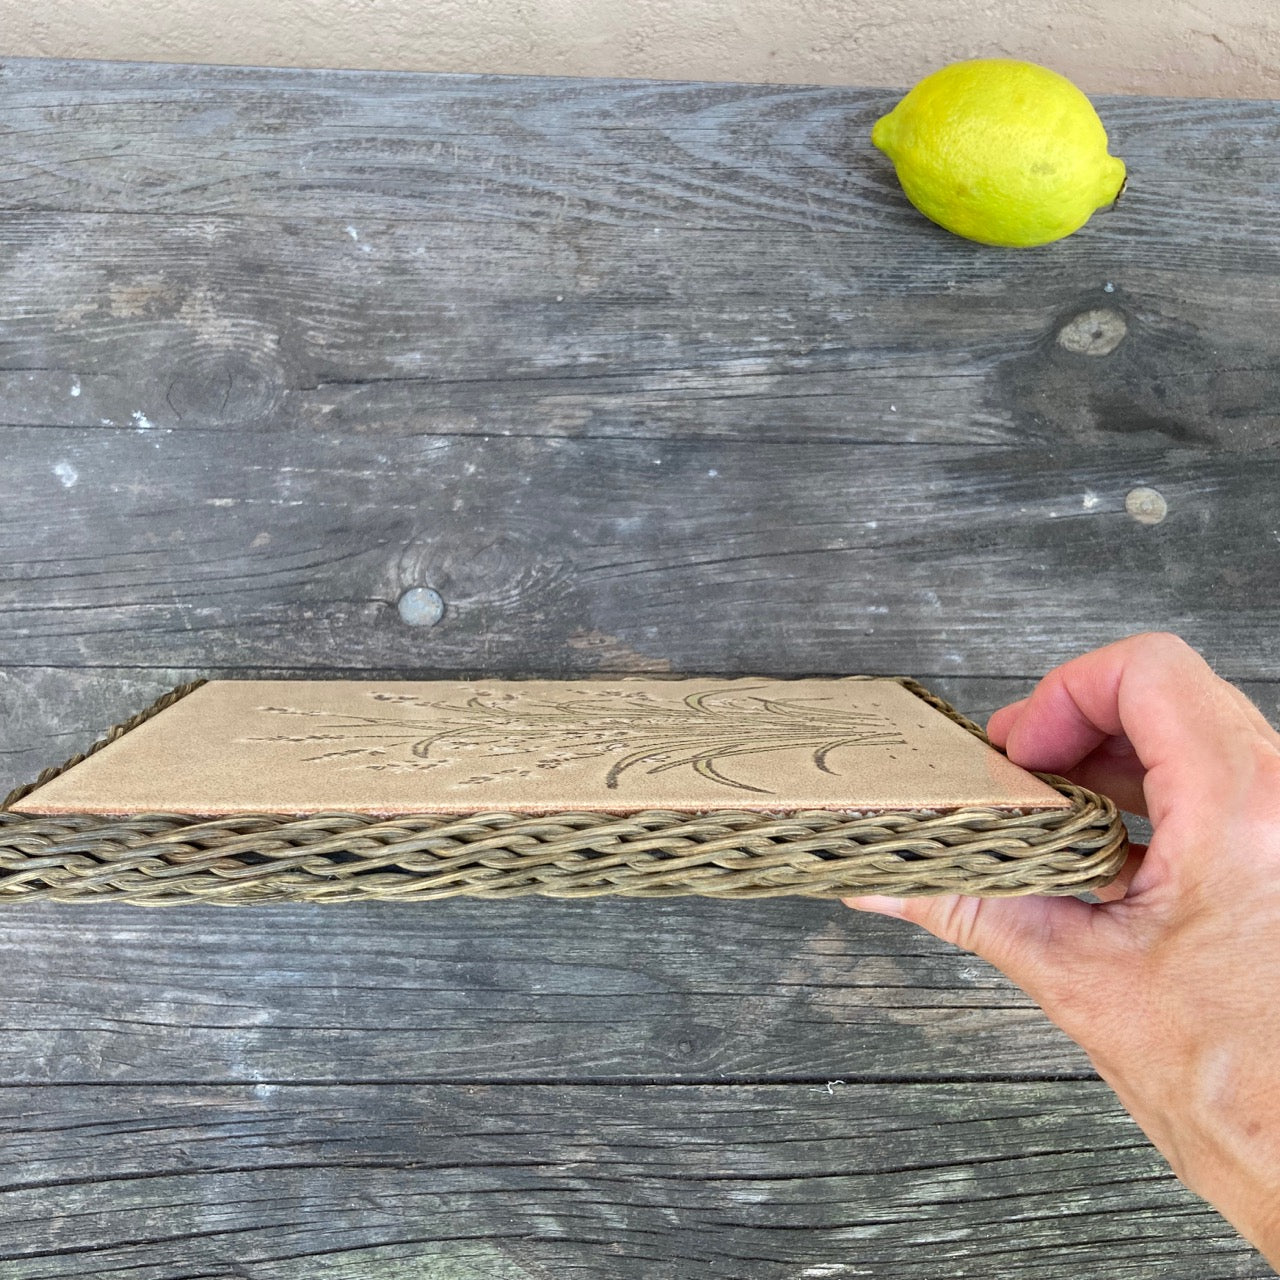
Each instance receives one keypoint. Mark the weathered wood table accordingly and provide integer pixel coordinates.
(636, 377)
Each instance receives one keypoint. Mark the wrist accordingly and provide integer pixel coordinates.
(1223, 1142)
(1260, 1225)
(1239, 1166)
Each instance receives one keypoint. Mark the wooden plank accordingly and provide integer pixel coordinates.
(483, 1183)
(214, 246)
(148, 546)
(405, 328)
(179, 139)
(605, 990)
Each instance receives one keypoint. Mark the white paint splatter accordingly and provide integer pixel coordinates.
(354, 234)
(1091, 500)
(1108, 287)
(893, 408)
(107, 422)
(144, 425)
(75, 387)
(67, 474)
(713, 473)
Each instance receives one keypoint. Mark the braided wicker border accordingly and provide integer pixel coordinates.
(159, 858)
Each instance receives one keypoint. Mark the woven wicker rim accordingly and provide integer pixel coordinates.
(158, 858)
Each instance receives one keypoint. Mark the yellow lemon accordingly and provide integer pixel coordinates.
(1001, 151)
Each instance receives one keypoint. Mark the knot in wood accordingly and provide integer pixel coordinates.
(1146, 506)
(1093, 333)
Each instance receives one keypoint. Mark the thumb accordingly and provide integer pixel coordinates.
(1030, 939)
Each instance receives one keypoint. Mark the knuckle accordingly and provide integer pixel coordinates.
(1167, 646)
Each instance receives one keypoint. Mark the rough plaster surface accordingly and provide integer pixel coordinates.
(1214, 48)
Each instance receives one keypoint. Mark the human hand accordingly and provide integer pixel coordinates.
(1171, 984)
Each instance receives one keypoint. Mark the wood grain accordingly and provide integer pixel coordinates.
(461, 254)
(757, 334)
(526, 1183)
(599, 991)
(145, 138)
(281, 548)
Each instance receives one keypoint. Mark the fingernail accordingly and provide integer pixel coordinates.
(878, 903)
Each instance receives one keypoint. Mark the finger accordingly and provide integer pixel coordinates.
(1114, 770)
(1027, 938)
(1119, 887)
(1187, 727)
(1254, 714)
(1001, 721)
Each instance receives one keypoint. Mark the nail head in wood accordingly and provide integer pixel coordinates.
(421, 607)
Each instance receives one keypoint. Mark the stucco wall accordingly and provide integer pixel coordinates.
(1213, 47)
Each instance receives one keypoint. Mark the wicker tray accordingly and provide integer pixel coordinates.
(761, 845)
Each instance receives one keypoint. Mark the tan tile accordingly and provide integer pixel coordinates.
(390, 747)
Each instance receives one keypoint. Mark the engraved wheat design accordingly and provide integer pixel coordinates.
(701, 732)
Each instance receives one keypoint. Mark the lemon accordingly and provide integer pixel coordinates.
(1001, 151)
